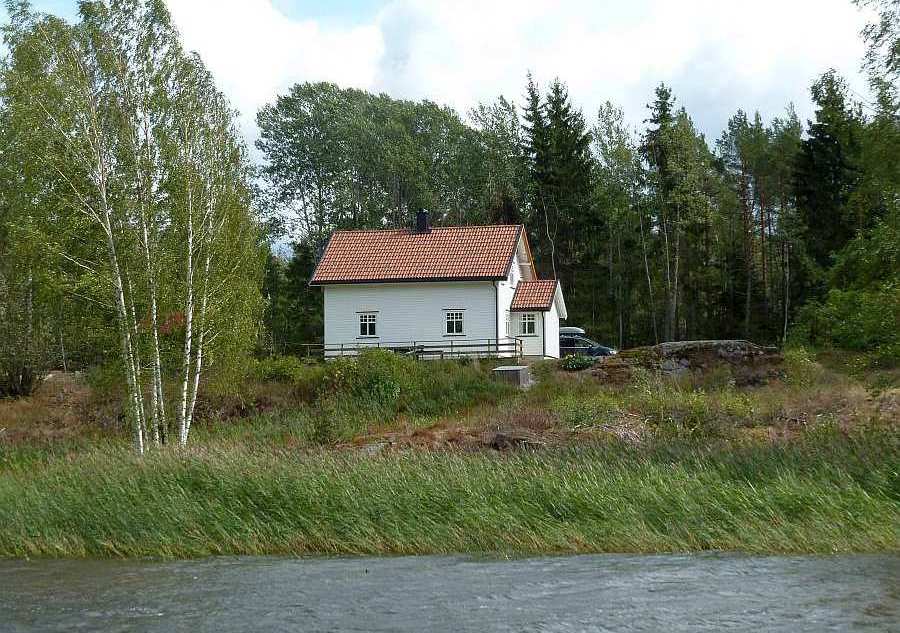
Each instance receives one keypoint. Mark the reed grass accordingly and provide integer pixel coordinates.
(826, 493)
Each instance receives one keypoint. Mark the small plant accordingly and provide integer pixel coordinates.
(576, 362)
(578, 412)
(801, 369)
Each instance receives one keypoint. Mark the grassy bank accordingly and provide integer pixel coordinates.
(826, 493)
(386, 455)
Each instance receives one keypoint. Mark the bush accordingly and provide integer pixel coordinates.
(379, 385)
(25, 343)
(800, 368)
(306, 378)
(576, 362)
(860, 320)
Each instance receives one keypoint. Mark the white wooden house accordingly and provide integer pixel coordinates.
(462, 290)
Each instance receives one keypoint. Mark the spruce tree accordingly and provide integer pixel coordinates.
(826, 172)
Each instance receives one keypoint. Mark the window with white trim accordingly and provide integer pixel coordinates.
(526, 324)
(508, 327)
(368, 322)
(454, 322)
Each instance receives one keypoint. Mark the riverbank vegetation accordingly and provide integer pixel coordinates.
(369, 456)
(829, 492)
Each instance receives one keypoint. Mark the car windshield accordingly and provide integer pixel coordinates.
(577, 341)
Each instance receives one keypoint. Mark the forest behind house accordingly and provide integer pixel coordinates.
(777, 229)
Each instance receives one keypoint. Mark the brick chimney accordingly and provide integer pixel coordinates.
(422, 225)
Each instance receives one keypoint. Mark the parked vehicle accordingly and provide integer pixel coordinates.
(573, 341)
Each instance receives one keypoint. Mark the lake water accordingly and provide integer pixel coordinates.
(708, 592)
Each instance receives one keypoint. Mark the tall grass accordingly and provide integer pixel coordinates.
(827, 493)
(337, 400)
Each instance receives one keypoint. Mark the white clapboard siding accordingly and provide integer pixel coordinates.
(551, 332)
(414, 311)
(532, 344)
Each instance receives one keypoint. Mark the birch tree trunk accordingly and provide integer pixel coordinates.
(134, 394)
(188, 321)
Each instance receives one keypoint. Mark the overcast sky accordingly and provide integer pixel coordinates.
(718, 56)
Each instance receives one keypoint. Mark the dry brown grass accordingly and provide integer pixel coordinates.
(58, 409)
(564, 408)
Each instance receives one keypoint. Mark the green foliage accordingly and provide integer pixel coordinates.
(25, 342)
(379, 160)
(284, 369)
(830, 493)
(827, 171)
(801, 369)
(378, 385)
(135, 191)
(860, 320)
(862, 311)
(577, 362)
(306, 378)
(294, 312)
(883, 40)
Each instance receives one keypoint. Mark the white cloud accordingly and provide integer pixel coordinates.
(717, 56)
(256, 52)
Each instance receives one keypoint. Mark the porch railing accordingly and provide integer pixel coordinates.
(452, 348)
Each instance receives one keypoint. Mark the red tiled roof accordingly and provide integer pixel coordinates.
(536, 294)
(442, 253)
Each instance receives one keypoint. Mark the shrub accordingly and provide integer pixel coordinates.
(307, 379)
(578, 413)
(379, 385)
(25, 342)
(860, 320)
(800, 368)
(543, 369)
(576, 362)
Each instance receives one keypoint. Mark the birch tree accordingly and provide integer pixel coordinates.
(146, 149)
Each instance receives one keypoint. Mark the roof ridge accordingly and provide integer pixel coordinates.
(432, 229)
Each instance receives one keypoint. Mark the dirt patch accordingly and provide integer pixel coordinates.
(56, 410)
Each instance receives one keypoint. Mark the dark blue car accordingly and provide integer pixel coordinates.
(574, 343)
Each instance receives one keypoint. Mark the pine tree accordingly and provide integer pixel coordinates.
(826, 173)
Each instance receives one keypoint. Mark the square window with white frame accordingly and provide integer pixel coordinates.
(368, 322)
(454, 322)
(526, 324)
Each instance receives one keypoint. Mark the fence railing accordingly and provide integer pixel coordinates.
(462, 348)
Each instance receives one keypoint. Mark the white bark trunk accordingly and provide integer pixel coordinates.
(124, 327)
(198, 363)
(136, 355)
(188, 323)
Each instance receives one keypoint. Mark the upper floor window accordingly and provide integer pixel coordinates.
(454, 322)
(527, 324)
(368, 322)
